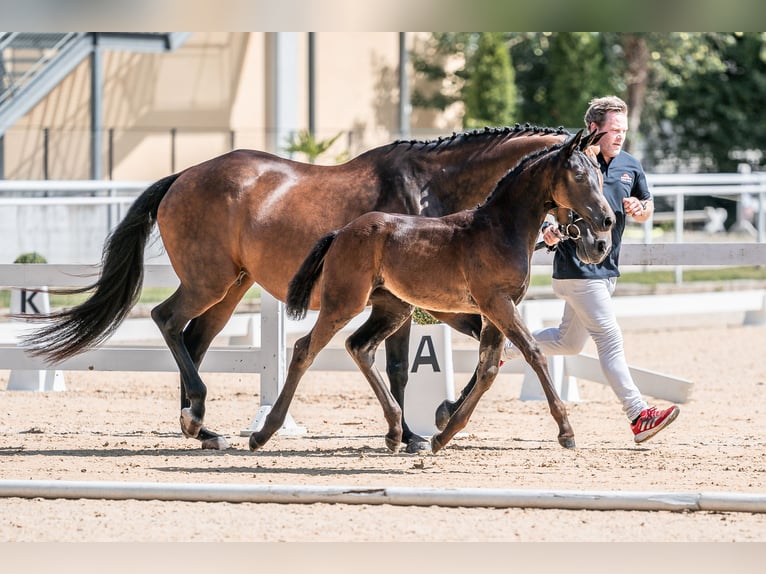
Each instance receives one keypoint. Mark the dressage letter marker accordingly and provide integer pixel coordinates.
(33, 303)
(431, 377)
(423, 359)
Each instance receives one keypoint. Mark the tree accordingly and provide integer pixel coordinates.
(305, 142)
(693, 98)
(558, 73)
(484, 83)
(711, 118)
(576, 72)
(490, 91)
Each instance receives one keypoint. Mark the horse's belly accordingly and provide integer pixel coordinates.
(433, 295)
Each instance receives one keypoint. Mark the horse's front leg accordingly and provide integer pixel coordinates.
(522, 338)
(397, 365)
(490, 346)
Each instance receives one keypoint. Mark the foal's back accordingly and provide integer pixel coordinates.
(424, 261)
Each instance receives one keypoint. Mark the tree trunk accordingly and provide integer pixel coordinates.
(637, 58)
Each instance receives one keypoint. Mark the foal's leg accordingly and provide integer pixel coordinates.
(387, 316)
(522, 338)
(468, 325)
(397, 363)
(304, 352)
(490, 345)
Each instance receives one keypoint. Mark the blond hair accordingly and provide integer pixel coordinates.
(599, 107)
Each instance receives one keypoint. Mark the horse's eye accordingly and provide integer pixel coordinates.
(579, 176)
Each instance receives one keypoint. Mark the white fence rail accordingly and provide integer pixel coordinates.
(743, 188)
(734, 186)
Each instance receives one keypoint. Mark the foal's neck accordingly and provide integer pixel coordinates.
(523, 200)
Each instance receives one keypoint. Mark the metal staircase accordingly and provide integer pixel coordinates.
(32, 64)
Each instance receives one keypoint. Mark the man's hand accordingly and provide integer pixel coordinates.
(639, 210)
(552, 235)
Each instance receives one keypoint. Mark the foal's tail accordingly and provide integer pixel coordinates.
(300, 287)
(117, 289)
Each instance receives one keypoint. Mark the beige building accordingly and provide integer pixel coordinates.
(162, 112)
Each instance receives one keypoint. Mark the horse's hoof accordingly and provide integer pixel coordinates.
(442, 415)
(436, 444)
(256, 442)
(190, 425)
(418, 445)
(567, 442)
(215, 443)
(392, 444)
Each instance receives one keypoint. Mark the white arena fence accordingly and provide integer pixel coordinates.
(260, 339)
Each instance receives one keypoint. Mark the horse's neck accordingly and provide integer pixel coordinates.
(460, 175)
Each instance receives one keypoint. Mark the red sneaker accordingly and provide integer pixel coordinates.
(651, 421)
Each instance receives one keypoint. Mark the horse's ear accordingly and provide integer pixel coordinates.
(573, 144)
(591, 139)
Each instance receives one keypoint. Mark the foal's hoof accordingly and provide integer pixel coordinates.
(215, 443)
(436, 444)
(257, 441)
(443, 414)
(417, 444)
(567, 442)
(190, 425)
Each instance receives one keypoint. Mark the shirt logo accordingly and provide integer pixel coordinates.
(625, 177)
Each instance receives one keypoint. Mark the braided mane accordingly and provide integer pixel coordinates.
(508, 132)
(519, 167)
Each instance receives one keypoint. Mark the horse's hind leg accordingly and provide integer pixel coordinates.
(172, 317)
(397, 363)
(198, 336)
(490, 346)
(387, 316)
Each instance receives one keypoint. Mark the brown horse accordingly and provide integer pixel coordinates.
(475, 261)
(250, 217)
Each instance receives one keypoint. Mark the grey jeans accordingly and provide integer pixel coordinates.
(588, 311)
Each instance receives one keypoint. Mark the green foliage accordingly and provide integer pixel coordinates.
(490, 90)
(437, 85)
(305, 142)
(695, 98)
(576, 72)
(31, 257)
(711, 114)
(420, 317)
(485, 83)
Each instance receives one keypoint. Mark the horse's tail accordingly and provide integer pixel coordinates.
(301, 285)
(116, 291)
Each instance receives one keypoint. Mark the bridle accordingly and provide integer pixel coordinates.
(568, 229)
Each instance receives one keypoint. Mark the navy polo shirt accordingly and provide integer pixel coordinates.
(623, 177)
